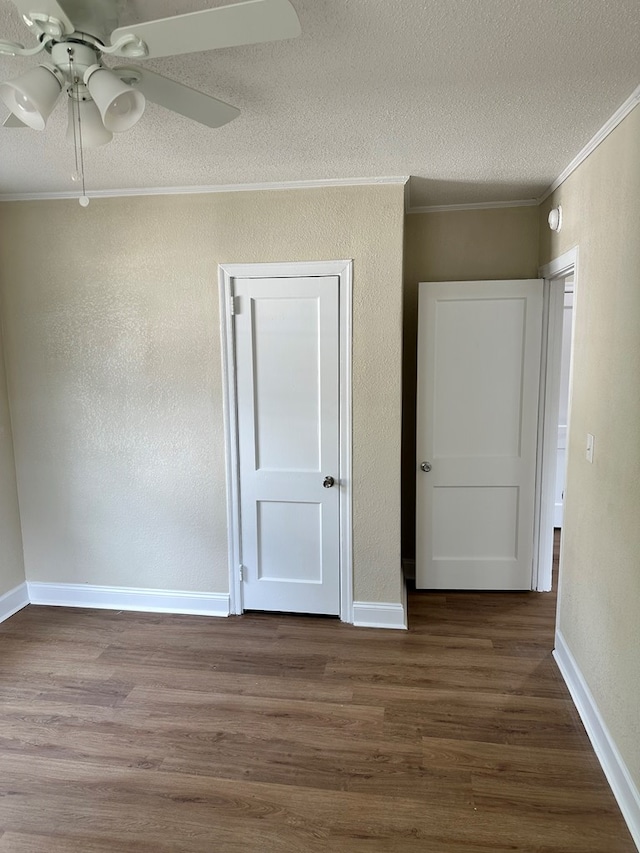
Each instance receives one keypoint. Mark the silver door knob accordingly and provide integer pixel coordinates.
(328, 482)
(425, 466)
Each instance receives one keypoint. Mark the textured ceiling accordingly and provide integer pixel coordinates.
(477, 100)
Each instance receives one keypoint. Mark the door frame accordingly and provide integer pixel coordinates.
(298, 269)
(556, 270)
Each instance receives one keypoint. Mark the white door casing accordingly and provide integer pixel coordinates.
(563, 407)
(479, 347)
(287, 364)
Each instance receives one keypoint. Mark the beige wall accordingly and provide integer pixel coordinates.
(113, 361)
(599, 613)
(454, 246)
(11, 560)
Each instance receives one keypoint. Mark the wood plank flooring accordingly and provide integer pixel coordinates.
(141, 733)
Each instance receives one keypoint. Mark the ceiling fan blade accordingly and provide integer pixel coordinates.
(179, 98)
(13, 121)
(250, 22)
(44, 9)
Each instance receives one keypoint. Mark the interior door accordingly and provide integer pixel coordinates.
(287, 381)
(479, 349)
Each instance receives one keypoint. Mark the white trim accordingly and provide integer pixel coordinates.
(13, 600)
(620, 114)
(346, 435)
(214, 188)
(378, 614)
(560, 267)
(226, 273)
(229, 409)
(129, 598)
(557, 269)
(615, 769)
(476, 205)
(283, 270)
(547, 447)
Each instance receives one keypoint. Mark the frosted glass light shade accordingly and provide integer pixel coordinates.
(120, 106)
(32, 96)
(94, 133)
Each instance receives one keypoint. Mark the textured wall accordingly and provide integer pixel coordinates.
(11, 560)
(600, 575)
(113, 361)
(454, 246)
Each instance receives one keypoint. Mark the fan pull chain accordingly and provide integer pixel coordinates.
(75, 113)
(77, 140)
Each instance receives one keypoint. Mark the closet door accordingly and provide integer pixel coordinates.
(287, 380)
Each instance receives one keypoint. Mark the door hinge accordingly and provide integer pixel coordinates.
(241, 573)
(234, 306)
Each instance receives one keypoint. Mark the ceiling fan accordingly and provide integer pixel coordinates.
(105, 100)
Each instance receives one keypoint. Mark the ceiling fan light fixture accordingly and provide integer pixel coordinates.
(75, 62)
(94, 133)
(120, 106)
(33, 95)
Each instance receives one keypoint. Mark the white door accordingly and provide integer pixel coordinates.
(479, 348)
(287, 381)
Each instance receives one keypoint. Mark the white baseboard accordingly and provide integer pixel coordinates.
(366, 614)
(377, 614)
(618, 776)
(14, 600)
(126, 598)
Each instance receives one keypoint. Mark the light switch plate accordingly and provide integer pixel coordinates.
(590, 442)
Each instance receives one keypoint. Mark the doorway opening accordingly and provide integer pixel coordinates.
(563, 421)
(560, 282)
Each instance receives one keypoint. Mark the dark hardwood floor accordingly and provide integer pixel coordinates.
(140, 733)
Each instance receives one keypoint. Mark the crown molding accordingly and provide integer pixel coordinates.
(620, 114)
(477, 205)
(401, 180)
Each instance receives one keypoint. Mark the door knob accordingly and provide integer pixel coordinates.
(425, 466)
(328, 482)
